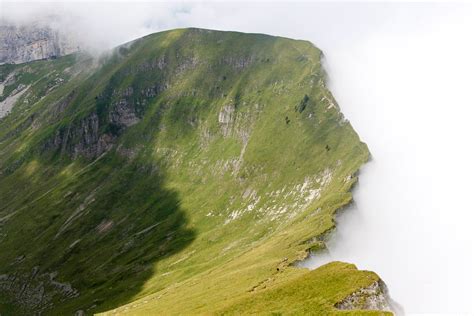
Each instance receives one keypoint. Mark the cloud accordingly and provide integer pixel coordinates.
(402, 74)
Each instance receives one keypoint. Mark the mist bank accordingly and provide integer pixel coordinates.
(408, 96)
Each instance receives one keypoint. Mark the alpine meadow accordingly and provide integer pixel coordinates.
(186, 172)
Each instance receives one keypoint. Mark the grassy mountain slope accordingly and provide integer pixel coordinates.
(184, 173)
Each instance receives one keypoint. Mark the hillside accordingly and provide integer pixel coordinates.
(184, 172)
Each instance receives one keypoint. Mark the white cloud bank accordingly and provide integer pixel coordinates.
(403, 75)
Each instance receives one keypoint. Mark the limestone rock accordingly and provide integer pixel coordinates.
(373, 297)
(24, 43)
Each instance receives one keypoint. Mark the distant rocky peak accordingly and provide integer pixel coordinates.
(20, 43)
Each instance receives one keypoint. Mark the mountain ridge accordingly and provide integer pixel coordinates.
(190, 165)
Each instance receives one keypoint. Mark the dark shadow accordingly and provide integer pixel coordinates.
(87, 239)
(126, 221)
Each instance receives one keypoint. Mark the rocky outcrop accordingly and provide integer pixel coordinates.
(226, 116)
(373, 297)
(24, 43)
(81, 139)
(7, 105)
(35, 291)
(123, 114)
(96, 133)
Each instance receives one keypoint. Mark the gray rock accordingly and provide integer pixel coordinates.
(24, 43)
(373, 297)
(225, 118)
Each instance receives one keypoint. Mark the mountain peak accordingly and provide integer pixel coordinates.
(189, 166)
(20, 43)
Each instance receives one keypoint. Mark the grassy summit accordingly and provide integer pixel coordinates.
(184, 173)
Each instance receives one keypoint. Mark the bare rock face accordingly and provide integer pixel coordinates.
(373, 297)
(7, 104)
(82, 138)
(226, 116)
(24, 43)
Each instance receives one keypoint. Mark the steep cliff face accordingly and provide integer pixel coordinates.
(24, 43)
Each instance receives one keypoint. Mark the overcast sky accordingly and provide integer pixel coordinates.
(403, 75)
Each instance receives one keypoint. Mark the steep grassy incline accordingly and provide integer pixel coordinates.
(185, 173)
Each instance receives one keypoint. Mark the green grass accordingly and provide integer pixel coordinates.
(179, 216)
(311, 293)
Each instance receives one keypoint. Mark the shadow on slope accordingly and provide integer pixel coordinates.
(97, 234)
